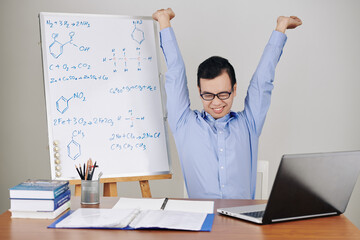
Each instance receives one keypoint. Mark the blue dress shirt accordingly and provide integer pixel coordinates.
(218, 157)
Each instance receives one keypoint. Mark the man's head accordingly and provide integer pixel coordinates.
(216, 76)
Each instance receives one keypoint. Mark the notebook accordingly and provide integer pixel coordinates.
(305, 186)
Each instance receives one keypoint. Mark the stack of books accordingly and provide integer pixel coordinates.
(44, 199)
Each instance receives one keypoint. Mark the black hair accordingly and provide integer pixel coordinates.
(213, 67)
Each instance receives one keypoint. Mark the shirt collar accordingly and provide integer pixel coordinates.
(225, 118)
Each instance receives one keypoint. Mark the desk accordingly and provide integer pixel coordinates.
(224, 228)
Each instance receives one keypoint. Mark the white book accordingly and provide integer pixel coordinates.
(40, 215)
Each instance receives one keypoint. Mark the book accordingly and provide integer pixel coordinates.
(27, 204)
(42, 189)
(41, 214)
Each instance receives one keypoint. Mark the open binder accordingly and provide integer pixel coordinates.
(206, 225)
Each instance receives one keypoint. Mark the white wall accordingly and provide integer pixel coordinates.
(315, 105)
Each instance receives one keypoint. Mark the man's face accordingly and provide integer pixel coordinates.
(217, 108)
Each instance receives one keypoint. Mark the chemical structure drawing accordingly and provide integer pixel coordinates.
(132, 118)
(137, 35)
(74, 149)
(56, 48)
(62, 104)
(120, 59)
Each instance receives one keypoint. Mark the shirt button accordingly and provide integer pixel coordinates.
(222, 186)
(222, 167)
(220, 132)
(221, 149)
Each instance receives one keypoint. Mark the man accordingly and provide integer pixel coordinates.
(218, 147)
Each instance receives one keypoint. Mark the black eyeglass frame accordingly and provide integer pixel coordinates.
(215, 95)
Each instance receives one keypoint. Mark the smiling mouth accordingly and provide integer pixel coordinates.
(218, 110)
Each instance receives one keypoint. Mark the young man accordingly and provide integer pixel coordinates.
(218, 147)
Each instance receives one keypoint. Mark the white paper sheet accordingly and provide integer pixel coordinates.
(139, 203)
(190, 206)
(169, 219)
(98, 218)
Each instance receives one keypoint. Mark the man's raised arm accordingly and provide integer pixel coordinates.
(178, 102)
(257, 101)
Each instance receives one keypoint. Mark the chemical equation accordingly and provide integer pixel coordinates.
(95, 77)
(126, 89)
(66, 67)
(130, 120)
(128, 146)
(75, 121)
(67, 24)
(132, 136)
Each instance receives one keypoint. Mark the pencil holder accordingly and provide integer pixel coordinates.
(90, 192)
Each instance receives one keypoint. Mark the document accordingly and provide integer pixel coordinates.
(171, 205)
(190, 206)
(99, 218)
(169, 220)
(133, 213)
(139, 203)
(133, 218)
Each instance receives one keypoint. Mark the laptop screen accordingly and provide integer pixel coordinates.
(312, 184)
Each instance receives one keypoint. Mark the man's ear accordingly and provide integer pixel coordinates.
(234, 89)
(199, 90)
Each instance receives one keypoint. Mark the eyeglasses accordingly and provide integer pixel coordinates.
(211, 96)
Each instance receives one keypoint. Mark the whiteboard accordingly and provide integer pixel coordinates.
(103, 95)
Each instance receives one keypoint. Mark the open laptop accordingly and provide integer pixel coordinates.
(305, 186)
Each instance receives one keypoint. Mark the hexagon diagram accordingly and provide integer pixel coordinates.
(138, 35)
(74, 150)
(62, 104)
(56, 49)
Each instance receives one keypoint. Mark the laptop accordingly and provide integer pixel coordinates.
(305, 186)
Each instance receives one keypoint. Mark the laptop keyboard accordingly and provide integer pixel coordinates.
(258, 214)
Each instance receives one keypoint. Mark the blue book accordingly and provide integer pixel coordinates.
(26, 204)
(39, 189)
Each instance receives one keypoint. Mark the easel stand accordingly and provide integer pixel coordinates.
(110, 186)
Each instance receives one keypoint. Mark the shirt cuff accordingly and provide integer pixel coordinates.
(278, 39)
(167, 34)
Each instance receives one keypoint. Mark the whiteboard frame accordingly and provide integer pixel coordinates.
(47, 86)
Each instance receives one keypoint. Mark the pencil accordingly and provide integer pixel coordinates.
(87, 169)
(78, 171)
(81, 174)
(93, 170)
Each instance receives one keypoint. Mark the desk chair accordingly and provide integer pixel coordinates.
(263, 184)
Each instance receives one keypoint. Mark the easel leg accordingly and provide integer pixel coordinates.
(110, 189)
(77, 190)
(145, 189)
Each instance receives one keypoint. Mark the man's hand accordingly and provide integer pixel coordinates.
(163, 16)
(284, 23)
